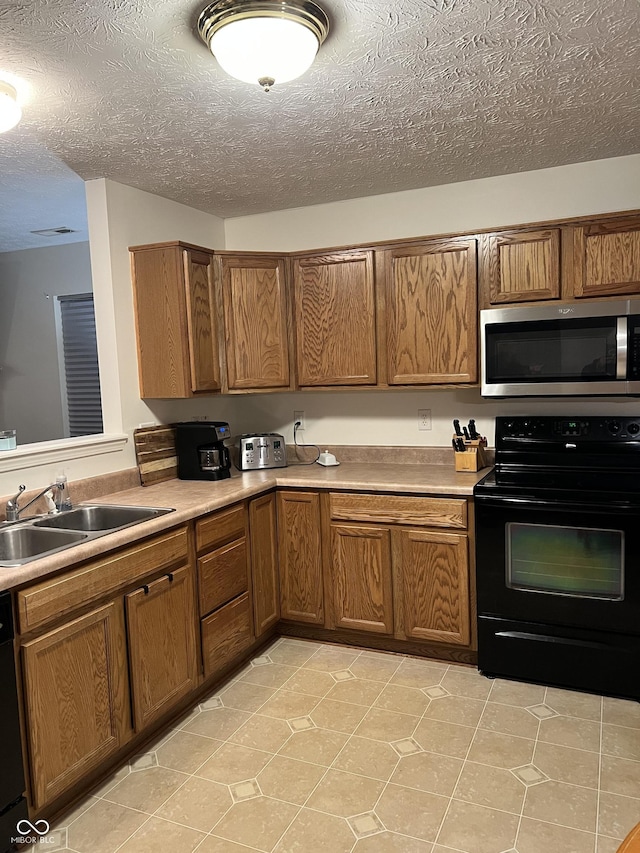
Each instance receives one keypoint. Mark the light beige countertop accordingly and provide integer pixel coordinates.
(193, 498)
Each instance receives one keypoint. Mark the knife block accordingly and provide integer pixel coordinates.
(473, 458)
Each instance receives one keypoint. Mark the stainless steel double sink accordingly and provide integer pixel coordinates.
(33, 538)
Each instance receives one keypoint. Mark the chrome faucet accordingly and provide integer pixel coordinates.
(13, 511)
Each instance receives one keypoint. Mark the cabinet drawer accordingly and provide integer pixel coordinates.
(51, 599)
(394, 509)
(221, 527)
(222, 575)
(225, 634)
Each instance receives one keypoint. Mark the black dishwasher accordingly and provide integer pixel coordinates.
(13, 806)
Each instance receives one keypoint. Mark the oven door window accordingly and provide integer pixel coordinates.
(584, 562)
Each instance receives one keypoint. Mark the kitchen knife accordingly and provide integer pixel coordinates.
(466, 433)
(456, 426)
(472, 430)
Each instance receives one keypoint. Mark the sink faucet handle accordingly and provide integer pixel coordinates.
(14, 500)
(11, 508)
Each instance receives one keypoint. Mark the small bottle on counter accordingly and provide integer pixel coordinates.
(63, 501)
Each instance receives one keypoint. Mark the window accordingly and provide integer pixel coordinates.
(80, 379)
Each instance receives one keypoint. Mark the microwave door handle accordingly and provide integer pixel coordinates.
(621, 348)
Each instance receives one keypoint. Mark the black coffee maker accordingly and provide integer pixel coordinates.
(201, 452)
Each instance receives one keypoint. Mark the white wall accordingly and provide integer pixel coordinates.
(119, 217)
(381, 417)
(601, 186)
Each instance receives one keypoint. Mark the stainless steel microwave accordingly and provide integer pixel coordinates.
(585, 349)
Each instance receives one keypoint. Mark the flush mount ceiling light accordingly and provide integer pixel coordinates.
(10, 112)
(263, 41)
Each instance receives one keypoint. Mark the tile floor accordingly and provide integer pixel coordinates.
(315, 748)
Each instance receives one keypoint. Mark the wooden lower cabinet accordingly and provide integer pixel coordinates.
(77, 699)
(299, 540)
(226, 633)
(161, 624)
(222, 575)
(432, 574)
(264, 562)
(362, 584)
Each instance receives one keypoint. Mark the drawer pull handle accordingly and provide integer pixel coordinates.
(146, 589)
(170, 576)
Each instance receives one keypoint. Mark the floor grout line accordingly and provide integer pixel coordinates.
(464, 761)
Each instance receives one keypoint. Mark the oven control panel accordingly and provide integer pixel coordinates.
(550, 428)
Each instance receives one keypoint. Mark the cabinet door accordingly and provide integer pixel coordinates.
(430, 295)
(264, 562)
(301, 596)
(256, 322)
(201, 321)
(175, 320)
(161, 624)
(77, 699)
(523, 265)
(433, 586)
(361, 568)
(335, 319)
(161, 321)
(606, 257)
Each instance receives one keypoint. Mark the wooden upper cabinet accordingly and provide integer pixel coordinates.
(161, 626)
(256, 317)
(521, 266)
(176, 324)
(77, 699)
(431, 323)
(335, 319)
(606, 257)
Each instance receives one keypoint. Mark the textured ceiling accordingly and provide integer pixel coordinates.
(403, 94)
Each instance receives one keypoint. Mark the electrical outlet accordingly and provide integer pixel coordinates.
(299, 416)
(424, 419)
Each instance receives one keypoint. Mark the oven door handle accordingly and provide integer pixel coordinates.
(545, 638)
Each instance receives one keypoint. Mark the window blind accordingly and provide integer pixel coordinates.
(81, 374)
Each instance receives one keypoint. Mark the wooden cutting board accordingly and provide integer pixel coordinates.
(156, 454)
